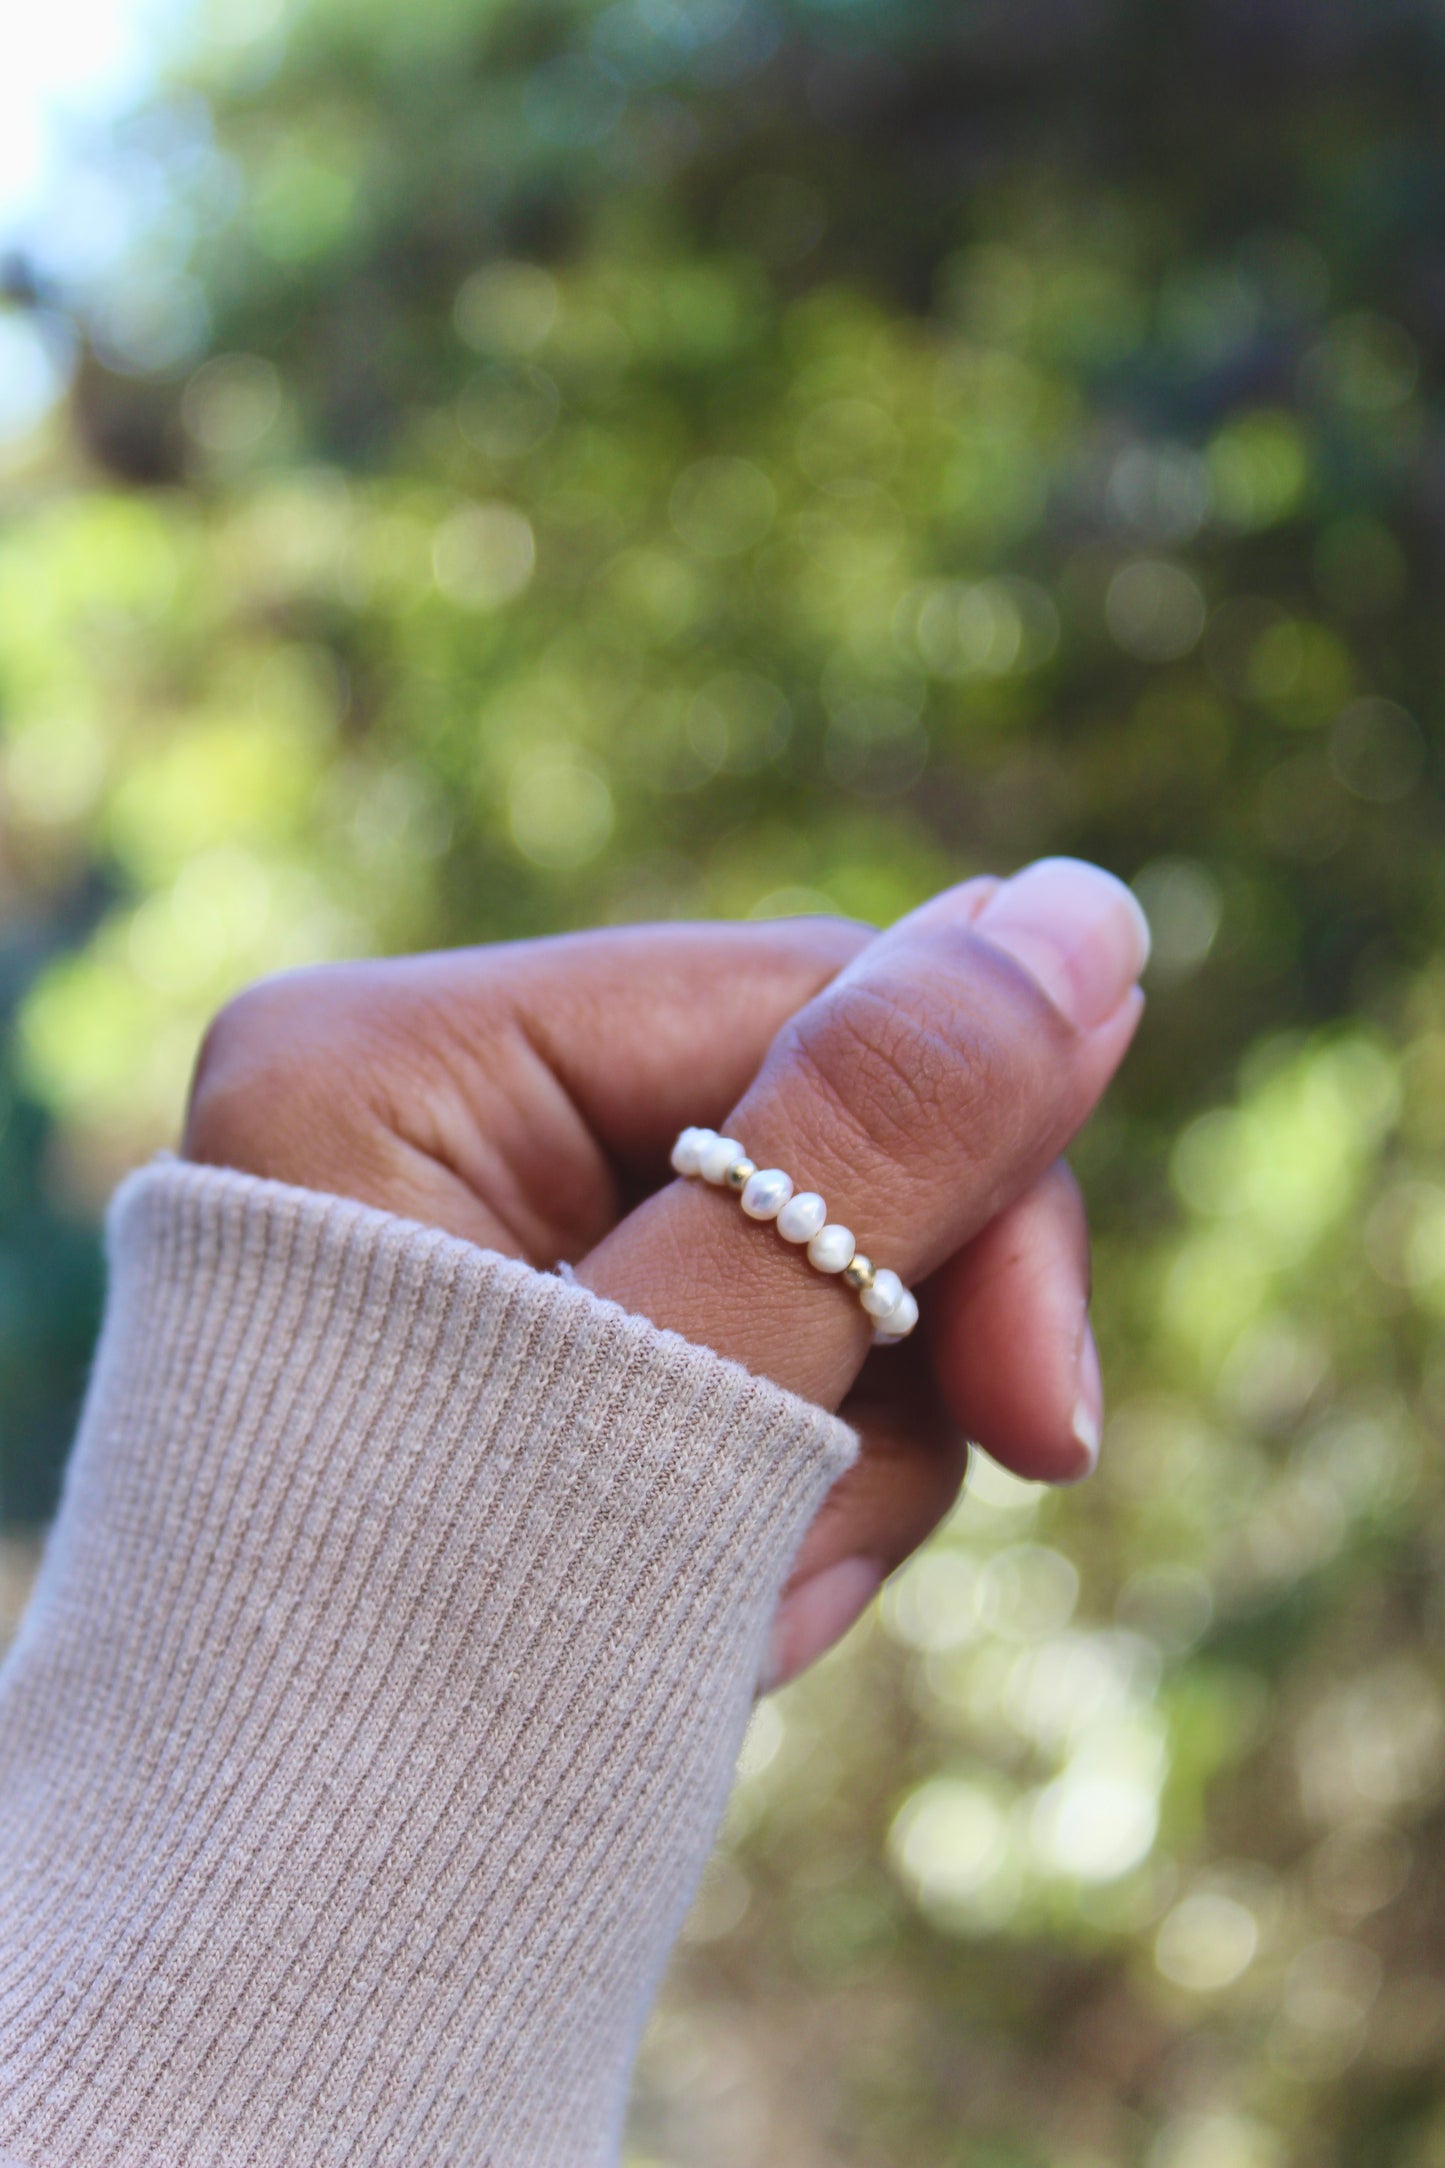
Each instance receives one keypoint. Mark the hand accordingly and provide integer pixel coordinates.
(925, 1080)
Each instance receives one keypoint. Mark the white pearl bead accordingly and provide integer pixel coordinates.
(884, 1294)
(716, 1157)
(832, 1248)
(767, 1193)
(801, 1218)
(902, 1318)
(686, 1151)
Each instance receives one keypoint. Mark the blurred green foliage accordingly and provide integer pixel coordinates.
(556, 463)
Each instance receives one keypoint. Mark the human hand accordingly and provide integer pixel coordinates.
(925, 1080)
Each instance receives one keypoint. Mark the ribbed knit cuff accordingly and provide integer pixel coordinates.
(380, 1697)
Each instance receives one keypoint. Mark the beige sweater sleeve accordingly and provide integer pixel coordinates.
(367, 1733)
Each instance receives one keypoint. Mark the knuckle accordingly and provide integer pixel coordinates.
(232, 1027)
(256, 1062)
(883, 1061)
(924, 1080)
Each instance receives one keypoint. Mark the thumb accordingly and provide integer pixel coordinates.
(920, 1093)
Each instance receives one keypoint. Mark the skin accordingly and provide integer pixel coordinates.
(525, 1098)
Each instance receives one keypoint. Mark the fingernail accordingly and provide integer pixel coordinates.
(1076, 929)
(1088, 1421)
(818, 1613)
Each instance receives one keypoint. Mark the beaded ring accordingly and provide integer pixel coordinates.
(801, 1217)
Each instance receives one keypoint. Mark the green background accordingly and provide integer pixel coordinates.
(550, 464)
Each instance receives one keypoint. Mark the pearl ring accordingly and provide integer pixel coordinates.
(800, 1216)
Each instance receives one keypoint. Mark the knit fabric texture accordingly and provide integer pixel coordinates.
(379, 1699)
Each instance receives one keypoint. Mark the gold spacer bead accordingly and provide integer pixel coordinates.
(860, 1273)
(739, 1174)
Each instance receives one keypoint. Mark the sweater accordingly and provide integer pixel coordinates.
(379, 1698)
